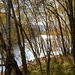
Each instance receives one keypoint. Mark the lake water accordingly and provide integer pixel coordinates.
(29, 56)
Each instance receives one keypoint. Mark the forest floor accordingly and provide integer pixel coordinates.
(58, 66)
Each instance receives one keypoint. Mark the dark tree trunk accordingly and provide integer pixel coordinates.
(72, 26)
(8, 61)
(15, 66)
(13, 62)
(63, 45)
(48, 61)
(72, 23)
(22, 49)
(48, 65)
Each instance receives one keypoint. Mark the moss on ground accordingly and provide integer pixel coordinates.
(58, 66)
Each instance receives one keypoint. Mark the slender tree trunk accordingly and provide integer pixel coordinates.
(72, 23)
(8, 61)
(39, 62)
(15, 66)
(13, 62)
(48, 65)
(73, 32)
(22, 49)
(62, 36)
(72, 26)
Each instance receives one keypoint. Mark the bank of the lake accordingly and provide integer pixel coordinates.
(57, 66)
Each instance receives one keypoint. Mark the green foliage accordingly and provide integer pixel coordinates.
(59, 70)
(57, 67)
